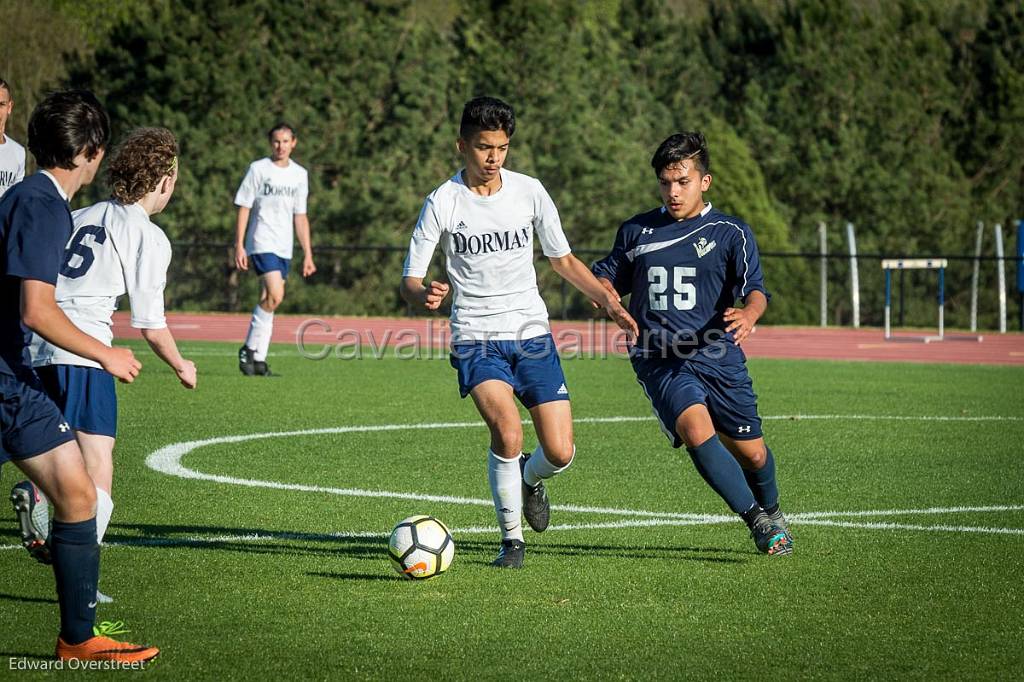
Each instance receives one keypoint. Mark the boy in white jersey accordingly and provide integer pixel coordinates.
(485, 218)
(12, 154)
(270, 200)
(114, 249)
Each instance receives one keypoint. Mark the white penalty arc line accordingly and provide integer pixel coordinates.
(167, 460)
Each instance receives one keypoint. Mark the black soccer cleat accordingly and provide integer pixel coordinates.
(769, 538)
(779, 519)
(246, 365)
(261, 369)
(536, 506)
(511, 554)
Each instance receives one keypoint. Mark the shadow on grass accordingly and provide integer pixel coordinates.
(30, 600)
(718, 555)
(356, 576)
(22, 654)
(261, 541)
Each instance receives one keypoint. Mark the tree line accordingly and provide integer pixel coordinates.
(905, 117)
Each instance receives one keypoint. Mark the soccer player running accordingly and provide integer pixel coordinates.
(684, 265)
(114, 249)
(271, 198)
(67, 135)
(486, 217)
(12, 154)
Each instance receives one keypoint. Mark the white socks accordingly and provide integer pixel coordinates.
(507, 492)
(104, 509)
(538, 468)
(260, 328)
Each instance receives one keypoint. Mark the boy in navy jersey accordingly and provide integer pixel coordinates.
(684, 265)
(67, 133)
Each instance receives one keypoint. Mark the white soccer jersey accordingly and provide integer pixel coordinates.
(275, 195)
(488, 243)
(12, 164)
(114, 249)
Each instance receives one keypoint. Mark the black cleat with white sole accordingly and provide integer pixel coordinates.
(511, 554)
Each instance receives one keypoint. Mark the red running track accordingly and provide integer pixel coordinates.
(599, 337)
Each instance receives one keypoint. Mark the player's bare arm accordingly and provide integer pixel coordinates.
(430, 296)
(41, 314)
(241, 260)
(607, 284)
(163, 344)
(742, 320)
(571, 269)
(302, 233)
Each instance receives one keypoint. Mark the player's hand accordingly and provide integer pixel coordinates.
(308, 267)
(187, 374)
(434, 295)
(611, 289)
(241, 260)
(122, 364)
(622, 318)
(741, 323)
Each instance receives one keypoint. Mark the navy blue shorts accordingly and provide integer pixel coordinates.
(674, 384)
(85, 395)
(30, 422)
(531, 367)
(263, 263)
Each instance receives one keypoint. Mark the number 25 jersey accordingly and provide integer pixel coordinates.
(114, 249)
(682, 275)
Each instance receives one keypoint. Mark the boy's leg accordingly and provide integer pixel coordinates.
(253, 354)
(758, 464)
(60, 473)
(98, 454)
(495, 402)
(540, 385)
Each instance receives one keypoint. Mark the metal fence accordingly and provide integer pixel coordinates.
(808, 288)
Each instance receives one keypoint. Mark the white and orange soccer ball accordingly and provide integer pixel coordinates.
(421, 547)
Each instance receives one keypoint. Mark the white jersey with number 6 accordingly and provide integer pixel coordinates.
(488, 242)
(114, 250)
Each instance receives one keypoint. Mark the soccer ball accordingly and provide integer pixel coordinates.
(421, 547)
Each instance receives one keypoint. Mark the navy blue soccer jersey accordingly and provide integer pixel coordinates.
(681, 276)
(35, 225)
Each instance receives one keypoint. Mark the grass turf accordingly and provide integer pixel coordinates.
(237, 582)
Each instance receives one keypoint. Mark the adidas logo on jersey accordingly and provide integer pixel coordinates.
(562, 390)
(703, 247)
(461, 226)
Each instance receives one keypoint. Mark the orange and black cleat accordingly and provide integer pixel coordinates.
(103, 648)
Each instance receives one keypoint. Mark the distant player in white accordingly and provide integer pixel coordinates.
(12, 154)
(485, 218)
(115, 249)
(270, 200)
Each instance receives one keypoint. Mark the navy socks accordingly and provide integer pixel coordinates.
(76, 565)
(762, 483)
(723, 473)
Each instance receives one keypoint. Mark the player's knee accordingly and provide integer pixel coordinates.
(507, 439)
(560, 454)
(272, 301)
(755, 457)
(75, 501)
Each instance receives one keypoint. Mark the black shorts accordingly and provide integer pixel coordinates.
(30, 423)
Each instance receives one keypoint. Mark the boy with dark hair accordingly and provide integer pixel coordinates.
(684, 265)
(485, 217)
(270, 200)
(68, 133)
(115, 249)
(12, 154)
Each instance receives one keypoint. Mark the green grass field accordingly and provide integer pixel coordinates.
(894, 574)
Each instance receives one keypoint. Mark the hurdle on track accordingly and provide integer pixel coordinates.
(915, 264)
